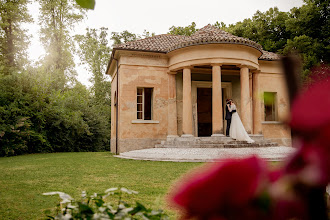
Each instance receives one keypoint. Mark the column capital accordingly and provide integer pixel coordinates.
(172, 72)
(216, 64)
(243, 66)
(256, 71)
(187, 67)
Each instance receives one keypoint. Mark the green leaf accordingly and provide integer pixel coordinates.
(99, 202)
(89, 4)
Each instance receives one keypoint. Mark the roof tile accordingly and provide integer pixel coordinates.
(209, 34)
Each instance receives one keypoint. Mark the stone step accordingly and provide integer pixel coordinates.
(214, 142)
(250, 145)
(189, 143)
(191, 146)
(233, 144)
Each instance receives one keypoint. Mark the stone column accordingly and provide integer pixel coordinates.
(251, 103)
(187, 105)
(257, 108)
(245, 99)
(217, 120)
(172, 127)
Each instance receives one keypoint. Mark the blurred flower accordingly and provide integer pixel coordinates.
(224, 190)
(307, 172)
(310, 120)
(310, 113)
(318, 74)
(310, 165)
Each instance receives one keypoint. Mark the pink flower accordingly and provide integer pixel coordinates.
(225, 190)
(310, 120)
(310, 113)
(310, 165)
(289, 208)
(319, 73)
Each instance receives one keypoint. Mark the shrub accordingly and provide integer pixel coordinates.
(102, 206)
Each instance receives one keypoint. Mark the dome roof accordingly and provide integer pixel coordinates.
(210, 34)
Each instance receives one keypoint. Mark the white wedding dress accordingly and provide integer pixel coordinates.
(237, 130)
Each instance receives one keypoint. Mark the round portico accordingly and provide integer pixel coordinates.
(217, 50)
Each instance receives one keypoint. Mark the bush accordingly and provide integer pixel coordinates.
(37, 117)
(102, 206)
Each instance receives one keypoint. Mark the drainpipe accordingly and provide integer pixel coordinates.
(117, 99)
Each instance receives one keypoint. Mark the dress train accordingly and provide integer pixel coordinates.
(237, 130)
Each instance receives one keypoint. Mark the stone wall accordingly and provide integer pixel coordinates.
(130, 144)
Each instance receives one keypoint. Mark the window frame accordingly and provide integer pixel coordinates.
(274, 107)
(142, 111)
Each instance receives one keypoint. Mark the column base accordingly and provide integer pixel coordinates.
(171, 137)
(187, 136)
(217, 135)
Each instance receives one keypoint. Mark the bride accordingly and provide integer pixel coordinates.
(237, 130)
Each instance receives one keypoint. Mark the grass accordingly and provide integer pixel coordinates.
(23, 179)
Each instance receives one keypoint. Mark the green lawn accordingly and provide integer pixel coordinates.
(23, 179)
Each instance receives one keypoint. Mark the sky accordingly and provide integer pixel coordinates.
(157, 16)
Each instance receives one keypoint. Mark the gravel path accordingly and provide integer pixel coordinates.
(206, 154)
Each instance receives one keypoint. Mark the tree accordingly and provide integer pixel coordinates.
(37, 118)
(304, 30)
(57, 17)
(220, 25)
(312, 20)
(147, 34)
(307, 48)
(88, 4)
(13, 39)
(123, 37)
(268, 29)
(94, 50)
(187, 31)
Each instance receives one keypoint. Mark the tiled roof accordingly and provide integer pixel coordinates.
(266, 55)
(210, 34)
(165, 43)
(158, 43)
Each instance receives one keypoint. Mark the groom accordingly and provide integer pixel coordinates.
(228, 116)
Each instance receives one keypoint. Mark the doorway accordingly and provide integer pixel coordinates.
(204, 111)
(202, 107)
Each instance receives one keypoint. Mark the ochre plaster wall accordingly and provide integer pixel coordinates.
(179, 103)
(113, 114)
(271, 79)
(135, 136)
(233, 54)
(277, 132)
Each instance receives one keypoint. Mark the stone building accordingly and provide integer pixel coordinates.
(169, 86)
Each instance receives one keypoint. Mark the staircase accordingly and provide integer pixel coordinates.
(214, 142)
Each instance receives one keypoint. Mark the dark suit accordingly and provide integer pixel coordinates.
(228, 118)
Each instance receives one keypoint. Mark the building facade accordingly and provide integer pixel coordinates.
(170, 86)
